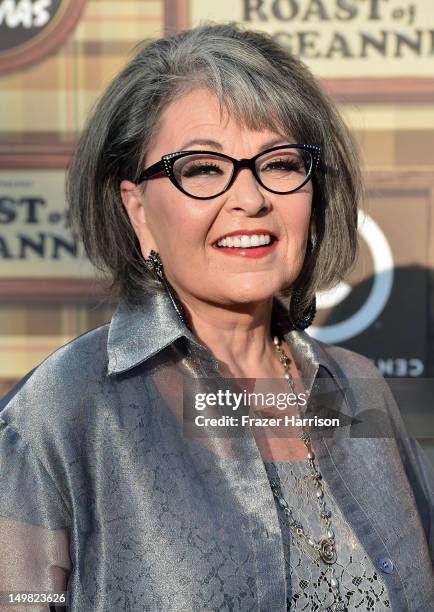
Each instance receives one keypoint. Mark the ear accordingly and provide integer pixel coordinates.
(132, 199)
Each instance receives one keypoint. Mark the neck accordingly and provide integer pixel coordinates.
(238, 336)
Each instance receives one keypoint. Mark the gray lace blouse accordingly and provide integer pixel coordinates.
(102, 494)
(361, 584)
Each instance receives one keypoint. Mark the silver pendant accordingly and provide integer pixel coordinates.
(327, 551)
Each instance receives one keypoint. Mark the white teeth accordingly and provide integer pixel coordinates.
(244, 241)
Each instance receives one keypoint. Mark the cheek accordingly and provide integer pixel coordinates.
(174, 219)
(297, 221)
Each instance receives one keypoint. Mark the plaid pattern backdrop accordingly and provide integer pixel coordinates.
(48, 102)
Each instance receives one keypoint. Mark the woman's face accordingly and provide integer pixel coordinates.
(184, 230)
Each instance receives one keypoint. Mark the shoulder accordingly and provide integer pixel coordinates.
(82, 357)
(346, 362)
(364, 386)
(71, 373)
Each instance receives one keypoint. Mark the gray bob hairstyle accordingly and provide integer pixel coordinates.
(260, 84)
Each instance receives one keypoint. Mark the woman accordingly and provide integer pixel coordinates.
(214, 180)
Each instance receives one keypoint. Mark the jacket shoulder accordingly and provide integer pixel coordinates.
(350, 363)
(71, 371)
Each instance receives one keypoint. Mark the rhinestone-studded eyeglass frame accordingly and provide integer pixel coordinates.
(167, 161)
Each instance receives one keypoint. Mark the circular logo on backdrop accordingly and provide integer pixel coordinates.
(377, 298)
(30, 29)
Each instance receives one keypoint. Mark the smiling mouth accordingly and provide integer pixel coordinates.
(249, 246)
(246, 241)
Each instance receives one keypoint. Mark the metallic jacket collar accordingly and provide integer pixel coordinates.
(138, 332)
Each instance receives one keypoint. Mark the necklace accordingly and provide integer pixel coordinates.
(324, 549)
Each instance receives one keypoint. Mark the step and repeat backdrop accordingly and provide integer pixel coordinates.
(375, 57)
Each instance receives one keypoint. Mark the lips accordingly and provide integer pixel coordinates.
(245, 238)
(246, 243)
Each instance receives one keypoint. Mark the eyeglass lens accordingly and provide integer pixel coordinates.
(206, 174)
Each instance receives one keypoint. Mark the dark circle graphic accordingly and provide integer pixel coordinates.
(30, 30)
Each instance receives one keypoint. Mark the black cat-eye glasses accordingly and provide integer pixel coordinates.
(206, 174)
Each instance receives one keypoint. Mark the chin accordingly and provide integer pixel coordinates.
(249, 294)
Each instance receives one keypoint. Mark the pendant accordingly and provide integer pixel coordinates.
(327, 551)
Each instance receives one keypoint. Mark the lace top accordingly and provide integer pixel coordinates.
(360, 585)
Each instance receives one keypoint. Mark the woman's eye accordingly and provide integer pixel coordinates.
(201, 169)
(282, 164)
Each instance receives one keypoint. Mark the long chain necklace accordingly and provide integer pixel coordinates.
(324, 549)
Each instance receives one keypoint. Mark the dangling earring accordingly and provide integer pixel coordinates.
(155, 265)
(301, 319)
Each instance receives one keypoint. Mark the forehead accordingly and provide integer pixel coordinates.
(197, 115)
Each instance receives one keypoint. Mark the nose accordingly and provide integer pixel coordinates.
(246, 194)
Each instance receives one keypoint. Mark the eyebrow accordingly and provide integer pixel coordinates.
(277, 141)
(201, 141)
(216, 145)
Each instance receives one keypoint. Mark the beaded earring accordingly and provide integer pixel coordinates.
(301, 319)
(155, 265)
